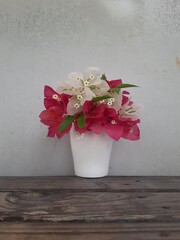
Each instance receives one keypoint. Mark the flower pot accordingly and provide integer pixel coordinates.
(91, 153)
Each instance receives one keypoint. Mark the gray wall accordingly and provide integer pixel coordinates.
(43, 40)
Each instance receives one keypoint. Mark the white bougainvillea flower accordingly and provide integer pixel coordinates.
(88, 85)
(97, 85)
(87, 95)
(72, 85)
(76, 101)
(101, 89)
(73, 107)
(116, 100)
(83, 87)
(75, 79)
(93, 75)
(131, 111)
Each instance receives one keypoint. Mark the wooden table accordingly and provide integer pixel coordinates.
(72, 208)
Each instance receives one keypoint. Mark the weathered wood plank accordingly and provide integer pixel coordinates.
(95, 236)
(71, 208)
(89, 206)
(86, 227)
(89, 231)
(110, 184)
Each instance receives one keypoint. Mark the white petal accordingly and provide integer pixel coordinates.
(102, 89)
(60, 88)
(96, 81)
(138, 110)
(104, 86)
(95, 71)
(127, 112)
(117, 101)
(74, 79)
(138, 107)
(71, 110)
(65, 88)
(87, 95)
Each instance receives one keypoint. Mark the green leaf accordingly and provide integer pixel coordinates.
(96, 99)
(65, 123)
(116, 90)
(103, 77)
(124, 85)
(81, 121)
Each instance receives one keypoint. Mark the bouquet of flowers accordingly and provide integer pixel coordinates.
(88, 101)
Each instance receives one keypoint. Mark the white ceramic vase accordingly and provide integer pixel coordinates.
(91, 153)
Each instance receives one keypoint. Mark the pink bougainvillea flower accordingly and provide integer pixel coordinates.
(125, 92)
(100, 117)
(114, 83)
(93, 110)
(93, 117)
(111, 124)
(52, 117)
(130, 129)
(52, 98)
(114, 131)
(133, 134)
(125, 97)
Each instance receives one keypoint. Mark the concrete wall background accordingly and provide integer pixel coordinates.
(43, 40)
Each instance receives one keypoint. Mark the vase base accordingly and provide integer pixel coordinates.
(90, 177)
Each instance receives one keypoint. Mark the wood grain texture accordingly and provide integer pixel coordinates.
(122, 184)
(87, 231)
(76, 208)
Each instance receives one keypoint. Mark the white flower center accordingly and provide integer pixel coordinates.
(131, 130)
(111, 99)
(102, 101)
(56, 97)
(78, 78)
(79, 97)
(91, 76)
(76, 105)
(110, 103)
(113, 122)
(86, 83)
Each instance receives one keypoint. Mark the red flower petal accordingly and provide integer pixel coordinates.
(47, 117)
(95, 127)
(131, 132)
(114, 83)
(110, 112)
(51, 103)
(53, 130)
(98, 111)
(125, 99)
(88, 107)
(51, 116)
(114, 131)
(125, 92)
